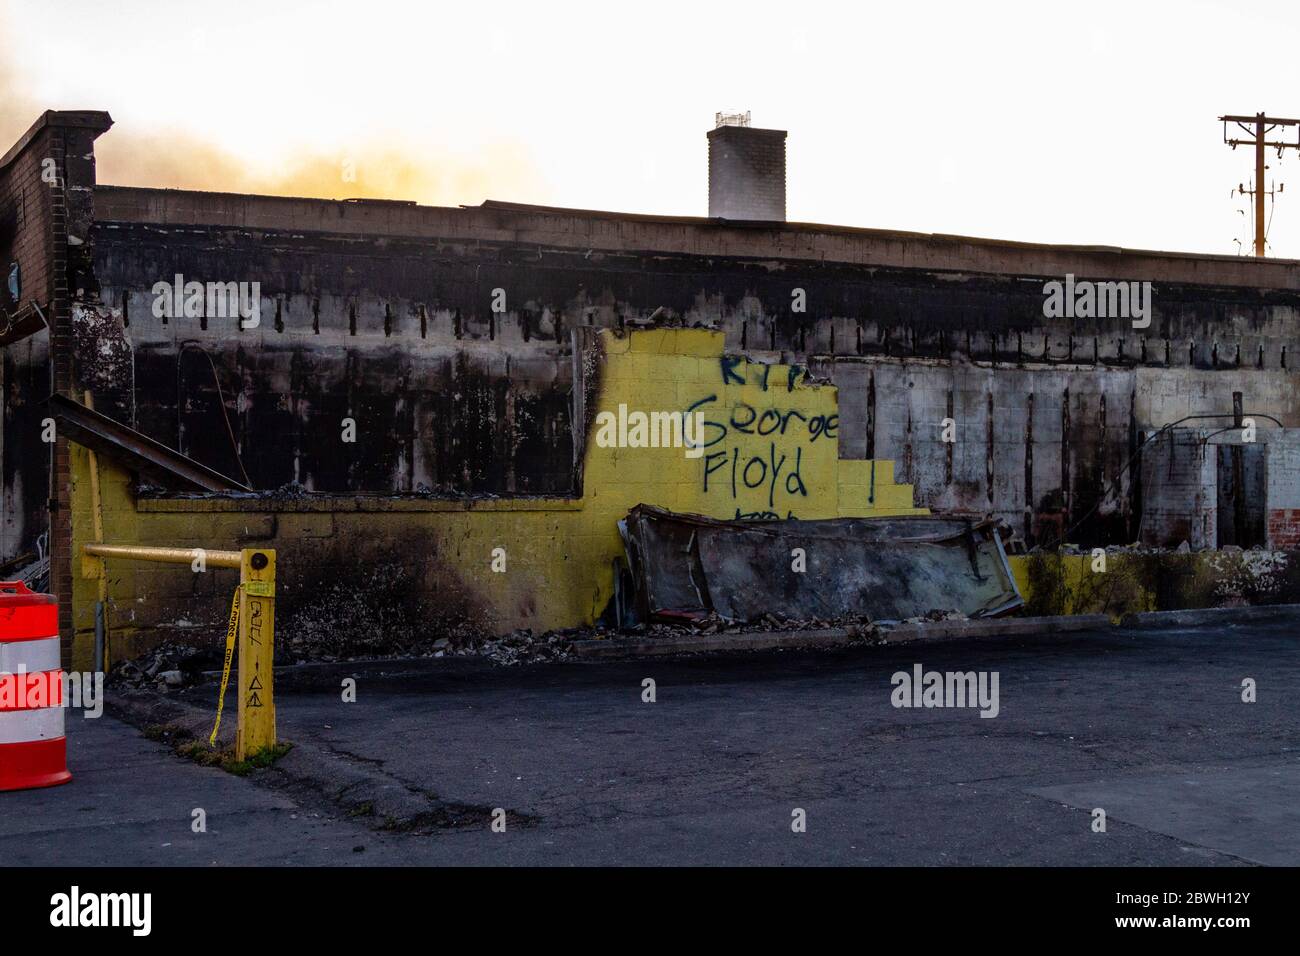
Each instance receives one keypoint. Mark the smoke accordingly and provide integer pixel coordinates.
(396, 168)
(177, 160)
(14, 106)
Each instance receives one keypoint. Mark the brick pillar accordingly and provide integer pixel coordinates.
(61, 356)
(37, 180)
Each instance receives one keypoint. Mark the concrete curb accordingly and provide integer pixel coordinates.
(316, 674)
(995, 627)
(356, 788)
(832, 637)
(143, 709)
(1196, 617)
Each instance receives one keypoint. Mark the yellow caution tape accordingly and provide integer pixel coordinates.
(232, 631)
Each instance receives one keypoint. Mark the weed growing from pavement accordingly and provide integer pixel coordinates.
(225, 758)
(185, 745)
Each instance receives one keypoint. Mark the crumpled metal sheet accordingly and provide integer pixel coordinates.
(688, 566)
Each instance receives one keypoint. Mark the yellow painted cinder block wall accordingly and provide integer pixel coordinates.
(771, 448)
(1119, 584)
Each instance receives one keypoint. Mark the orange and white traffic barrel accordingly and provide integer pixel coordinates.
(33, 750)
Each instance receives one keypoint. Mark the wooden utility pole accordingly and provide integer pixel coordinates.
(1259, 126)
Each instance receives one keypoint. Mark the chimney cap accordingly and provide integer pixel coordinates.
(730, 119)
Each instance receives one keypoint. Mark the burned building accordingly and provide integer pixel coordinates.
(387, 393)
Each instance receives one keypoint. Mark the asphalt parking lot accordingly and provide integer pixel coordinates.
(1148, 726)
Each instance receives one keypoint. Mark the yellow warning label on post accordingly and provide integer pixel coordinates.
(260, 588)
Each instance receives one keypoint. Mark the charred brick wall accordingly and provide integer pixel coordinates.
(27, 211)
(1210, 488)
(445, 395)
(24, 457)
(47, 183)
(1282, 517)
(1181, 480)
(444, 337)
(1051, 449)
(396, 329)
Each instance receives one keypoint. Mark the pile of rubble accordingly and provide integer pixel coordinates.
(713, 624)
(168, 666)
(522, 647)
(175, 665)
(525, 647)
(519, 647)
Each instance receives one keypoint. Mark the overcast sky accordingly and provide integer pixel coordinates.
(1083, 122)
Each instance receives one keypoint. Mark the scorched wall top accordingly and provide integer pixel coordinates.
(513, 223)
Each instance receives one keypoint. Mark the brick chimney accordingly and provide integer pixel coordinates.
(746, 170)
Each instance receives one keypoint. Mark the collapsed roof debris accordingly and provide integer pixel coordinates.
(150, 458)
(686, 567)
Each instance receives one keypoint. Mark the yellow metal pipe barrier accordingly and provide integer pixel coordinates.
(219, 559)
(256, 604)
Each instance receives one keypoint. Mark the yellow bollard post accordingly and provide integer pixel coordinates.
(256, 652)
